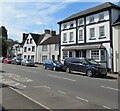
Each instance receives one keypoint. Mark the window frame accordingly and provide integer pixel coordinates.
(92, 36)
(80, 34)
(65, 36)
(71, 36)
(44, 47)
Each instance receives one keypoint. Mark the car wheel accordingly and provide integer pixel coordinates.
(44, 67)
(68, 70)
(54, 68)
(89, 73)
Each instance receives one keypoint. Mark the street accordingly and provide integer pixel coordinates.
(60, 90)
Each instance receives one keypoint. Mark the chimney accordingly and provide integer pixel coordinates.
(24, 36)
(53, 33)
(47, 31)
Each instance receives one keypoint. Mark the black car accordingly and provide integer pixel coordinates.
(87, 66)
(16, 61)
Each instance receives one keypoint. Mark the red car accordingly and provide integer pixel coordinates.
(7, 60)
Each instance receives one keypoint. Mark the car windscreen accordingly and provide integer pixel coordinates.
(92, 61)
(57, 62)
(9, 58)
(29, 60)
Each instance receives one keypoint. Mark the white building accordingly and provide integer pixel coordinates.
(116, 47)
(34, 45)
(49, 48)
(89, 34)
(17, 50)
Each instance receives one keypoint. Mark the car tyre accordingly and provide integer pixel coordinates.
(54, 68)
(44, 67)
(89, 73)
(68, 70)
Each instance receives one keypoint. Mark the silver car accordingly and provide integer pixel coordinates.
(27, 62)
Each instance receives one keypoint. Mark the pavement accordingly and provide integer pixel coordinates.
(14, 100)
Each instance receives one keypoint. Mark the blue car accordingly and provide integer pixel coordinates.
(53, 64)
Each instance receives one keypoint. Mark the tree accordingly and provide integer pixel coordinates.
(3, 47)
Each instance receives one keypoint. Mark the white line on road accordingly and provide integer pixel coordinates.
(62, 92)
(106, 107)
(42, 87)
(110, 88)
(31, 99)
(61, 77)
(82, 99)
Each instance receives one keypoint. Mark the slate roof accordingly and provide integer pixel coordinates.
(51, 40)
(90, 11)
(117, 22)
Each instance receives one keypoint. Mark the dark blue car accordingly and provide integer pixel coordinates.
(53, 64)
(85, 66)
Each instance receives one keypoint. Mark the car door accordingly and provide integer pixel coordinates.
(81, 67)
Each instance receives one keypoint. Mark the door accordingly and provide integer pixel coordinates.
(53, 57)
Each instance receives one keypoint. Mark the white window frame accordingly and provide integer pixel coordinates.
(56, 47)
(102, 32)
(101, 16)
(80, 22)
(71, 24)
(91, 19)
(44, 57)
(80, 35)
(44, 47)
(65, 54)
(71, 37)
(64, 37)
(92, 33)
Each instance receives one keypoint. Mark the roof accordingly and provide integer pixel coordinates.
(117, 22)
(83, 47)
(90, 10)
(51, 40)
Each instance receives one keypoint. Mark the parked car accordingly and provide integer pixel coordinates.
(16, 61)
(1, 59)
(53, 64)
(27, 62)
(83, 65)
(7, 60)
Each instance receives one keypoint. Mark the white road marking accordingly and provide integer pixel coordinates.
(30, 99)
(82, 99)
(106, 107)
(110, 88)
(62, 92)
(42, 87)
(61, 77)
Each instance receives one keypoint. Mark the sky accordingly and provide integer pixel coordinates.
(34, 16)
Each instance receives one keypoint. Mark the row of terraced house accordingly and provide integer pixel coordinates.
(92, 33)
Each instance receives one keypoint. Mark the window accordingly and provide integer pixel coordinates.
(56, 47)
(44, 48)
(95, 54)
(71, 24)
(65, 54)
(33, 48)
(28, 56)
(25, 49)
(30, 41)
(80, 35)
(64, 37)
(71, 36)
(70, 54)
(103, 55)
(44, 58)
(101, 17)
(32, 57)
(64, 26)
(27, 41)
(80, 22)
(29, 49)
(92, 33)
(24, 56)
(101, 31)
(92, 19)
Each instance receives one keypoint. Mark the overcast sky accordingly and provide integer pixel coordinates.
(32, 16)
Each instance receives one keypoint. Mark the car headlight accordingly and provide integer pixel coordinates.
(27, 62)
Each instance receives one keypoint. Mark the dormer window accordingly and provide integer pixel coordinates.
(27, 41)
(71, 24)
(64, 26)
(101, 16)
(91, 19)
(80, 22)
(30, 41)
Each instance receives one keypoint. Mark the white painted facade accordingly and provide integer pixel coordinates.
(104, 55)
(48, 53)
(29, 49)
(116, 47)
